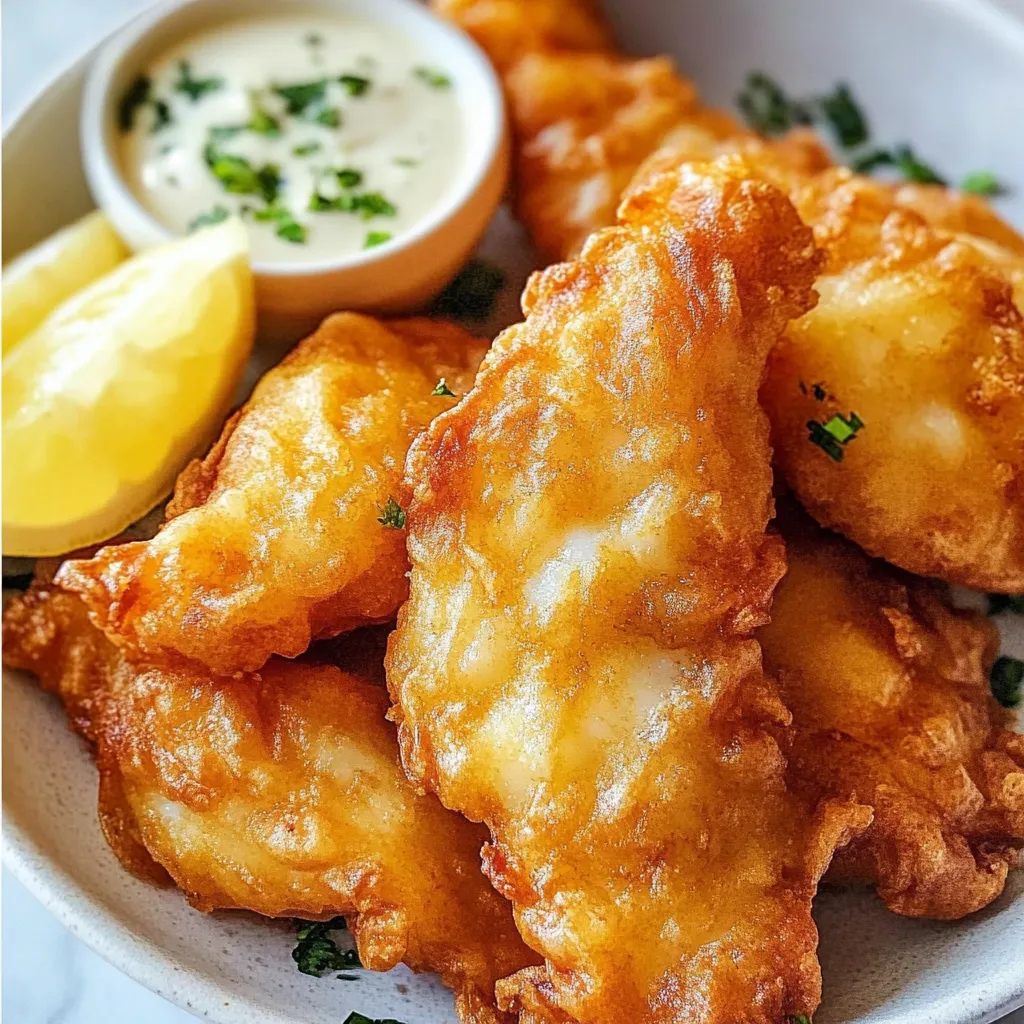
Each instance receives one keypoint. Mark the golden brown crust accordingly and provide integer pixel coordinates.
(918, 334)
(272, 540)
(574, 665)
(888, 686)
(278, 792)
(507, 30)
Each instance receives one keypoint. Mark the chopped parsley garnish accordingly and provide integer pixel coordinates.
(998, 603)
(316, 953)
(162, 116)
(869, 161)
(832, 435)
(914, 169)
(288, 227)
(375, 238)
(349, 177)
(1007, 680)
(471, 295)
(369, 204)
(799, 1018)
(355, 1017)
(195, 88)
(239, 177)
(845, 116)
(355, 85)
(982, 183)
(204, 220)
(442, 389)
(392, 514)
(261, 121)
(307, 149)
(767, 108)
(136, 97)
(221, 132)
(330, 117)
(302, 95)
(435, 79)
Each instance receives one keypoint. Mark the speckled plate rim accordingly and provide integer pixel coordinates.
(86, 916)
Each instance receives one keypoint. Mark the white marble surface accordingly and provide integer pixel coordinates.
(49, 977)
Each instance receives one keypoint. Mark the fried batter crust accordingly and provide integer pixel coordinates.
(924, 348)
(278, 792)
(273, 539)
(575, 665)
(888, 686)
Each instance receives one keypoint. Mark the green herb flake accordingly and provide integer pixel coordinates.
(914, 169)
(442, 390)
(287, 228)
(1007, 680)
(375, 238)
(195, 88)
(982, 183)
(306, 149)
(999, 603)
(329, 117)
(435, 79)
(261, 121)
(316, 953)
(349, 177)
(834, 434)
(239, 177)
(302, 95)
(819, 392)
(766, 107)
(162, 116)
(222, 132)
(392, 515)
(204, 220)
(845, 116)
(355, 85)
(871, 161)
(799, 1018)
(136, 97)
(405, 161)
(355, 1017)
(373, 204)
(471, 295)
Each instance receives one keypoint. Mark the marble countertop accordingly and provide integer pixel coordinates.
(49, 977)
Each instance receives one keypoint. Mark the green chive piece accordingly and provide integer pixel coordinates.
(1007, 680)
(392, 515)
(982, 183)
(307, 149)
(355, 85)
(435, 79)
(375, 238)
(215, 216)
(834, 434)
(441, 389)
(195, 88)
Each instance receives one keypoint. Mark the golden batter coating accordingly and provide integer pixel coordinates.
(575, 665)
(273, 540)
(888, 686)
(917, 334)
(508, 29)
(278, 792)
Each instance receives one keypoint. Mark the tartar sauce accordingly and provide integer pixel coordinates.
(328, 135)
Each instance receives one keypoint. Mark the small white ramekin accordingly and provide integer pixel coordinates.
(395, 277)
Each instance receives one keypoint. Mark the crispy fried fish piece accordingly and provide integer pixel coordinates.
(508, 29)
(888, 686)
(273, 539)
(917, 335)
(575, 665)
(279, 792)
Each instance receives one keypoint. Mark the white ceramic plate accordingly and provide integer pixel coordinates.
(946, 75)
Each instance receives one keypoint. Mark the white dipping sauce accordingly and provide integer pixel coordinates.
(329, 135)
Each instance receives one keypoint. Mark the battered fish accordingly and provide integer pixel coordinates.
(279, 792)
(274, 539)
(575, 666)
(917, 338)
(888, 687)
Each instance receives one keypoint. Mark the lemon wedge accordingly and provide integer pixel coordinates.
(38, 281)
(119, 387)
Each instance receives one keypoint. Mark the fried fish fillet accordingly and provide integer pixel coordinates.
(273, 540)
(575, 666)
(278, 792)
(917, 331)
(888, 686)
(918, 336)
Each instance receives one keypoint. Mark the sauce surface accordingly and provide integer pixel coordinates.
(328, 135)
